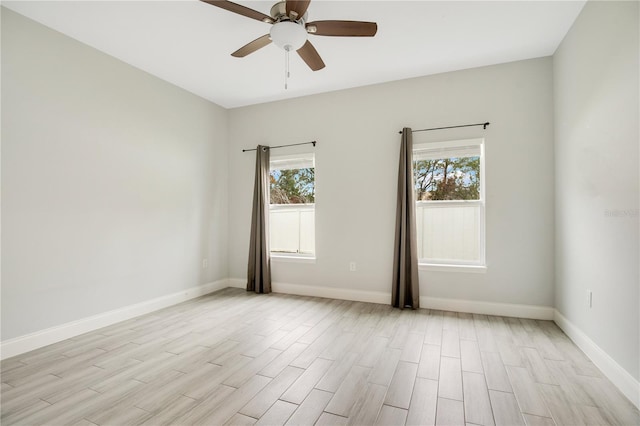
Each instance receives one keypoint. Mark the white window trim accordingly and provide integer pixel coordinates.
(446, 265)
(475, 269)
(292, 258)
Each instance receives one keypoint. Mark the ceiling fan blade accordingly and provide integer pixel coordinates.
(310, 55)
(240, 10)
(343, 28)
(299, 7)
(248, 48)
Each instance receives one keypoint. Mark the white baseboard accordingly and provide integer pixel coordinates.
(624, 381)
(237, 282)
(488, 308)
(38, 339)
(317, 291)
(457, 305)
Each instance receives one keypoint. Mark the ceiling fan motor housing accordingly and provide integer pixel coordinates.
(279, 12)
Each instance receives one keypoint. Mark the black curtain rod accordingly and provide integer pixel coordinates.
(282, 146)
(484, 126)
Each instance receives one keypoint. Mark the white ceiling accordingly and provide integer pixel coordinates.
(188, 43)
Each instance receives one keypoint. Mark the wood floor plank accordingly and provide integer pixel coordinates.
(505, 409)
(313, 351)
(260, 403)
(531, 420)
(450, 321)
(466, 326)
(449, 412)
(509, 352)
(429, 367)
(422, 409)
(235, 401)
(495, 372)
(470, 356)
(339, 347)
(486, 340)
(337, 372)
(241, 420)
(433, 335)
(349, 391)
(537, 367)
(477, 406)
(235, 357)
(171, 413)
(383, 371)
(290, 338)
(561, 410)
(127, 416)
(149, 397)
(567, 379)
(207, 405)
(328, 419)
(252, 368)
(526, 391)
(518, 333)
(276, 366)
(450, 383)
(307, 381)
(28, 410)
(392, 416)
(373, 351)
(365, 410)
(401, 387)
(412, 348)
(311, 408)
(69, 410)
(608, 397)
(450, 343)
(278, 414)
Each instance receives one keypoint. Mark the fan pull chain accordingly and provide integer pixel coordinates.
(287, 74)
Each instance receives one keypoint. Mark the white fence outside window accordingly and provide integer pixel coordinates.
(292, 228)
(450, 231)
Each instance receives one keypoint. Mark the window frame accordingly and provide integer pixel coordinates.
(291, 256)
(453, 264)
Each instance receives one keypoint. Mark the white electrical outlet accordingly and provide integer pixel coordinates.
(589, 298)
(352, 266)
(205, 263)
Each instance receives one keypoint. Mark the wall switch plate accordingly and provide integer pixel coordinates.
(589, 298)
(352, 266)
(205, 263)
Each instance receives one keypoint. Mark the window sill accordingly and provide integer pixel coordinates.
(292, 259)
(474, 269)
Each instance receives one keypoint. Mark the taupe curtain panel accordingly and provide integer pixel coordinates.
(259, 268)
(405, 291)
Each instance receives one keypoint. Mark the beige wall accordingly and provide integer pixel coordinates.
(114, 183)
(597, 180)
(356, 173)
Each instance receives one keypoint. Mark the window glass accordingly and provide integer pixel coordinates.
(449, 188)
(292, 205)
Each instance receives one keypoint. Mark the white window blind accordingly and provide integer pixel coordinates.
(436, 151)
(287, 162)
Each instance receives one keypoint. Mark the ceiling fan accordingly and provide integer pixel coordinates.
(290, 28)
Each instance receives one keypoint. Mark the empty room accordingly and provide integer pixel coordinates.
(320, 212)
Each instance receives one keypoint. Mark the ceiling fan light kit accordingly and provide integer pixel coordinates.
(290, 29)
(288, 35)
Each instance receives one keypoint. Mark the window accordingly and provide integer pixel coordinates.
(449, 185)
(292, 209)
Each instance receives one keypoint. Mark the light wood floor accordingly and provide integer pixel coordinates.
(240, 358)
